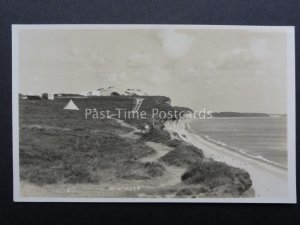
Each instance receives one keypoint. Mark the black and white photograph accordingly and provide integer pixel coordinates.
(154, 113)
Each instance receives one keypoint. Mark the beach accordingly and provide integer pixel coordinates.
(268, 180)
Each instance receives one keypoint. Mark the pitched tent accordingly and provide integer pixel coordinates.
(71, 106)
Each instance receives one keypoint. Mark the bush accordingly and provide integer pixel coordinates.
(174, 143)
(215, 174)
(52, 156)
(139, 170)
(156, 135)
(183, 155)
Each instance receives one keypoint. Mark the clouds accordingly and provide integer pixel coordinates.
(149, 63)
(114, 77)
(189, 74)
(252, 54)
(174, 55)
(159, 75)
(208, 63)
(91, 57)
(175, 44)
(138, 60)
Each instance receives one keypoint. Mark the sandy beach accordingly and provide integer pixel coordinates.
(268, 180)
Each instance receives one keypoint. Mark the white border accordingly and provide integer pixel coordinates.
(289, 30)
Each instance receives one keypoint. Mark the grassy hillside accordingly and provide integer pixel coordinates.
(63, 147)
(59, 145)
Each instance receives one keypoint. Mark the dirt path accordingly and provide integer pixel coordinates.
(138, 104)
(172, 173)
(160, 149)
(131, 134)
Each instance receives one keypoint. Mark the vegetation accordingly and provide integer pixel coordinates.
(214, 174)
(156, 135)
(54, 156)
(238, 114)
(183, 155)
(174, 143)
(62, 146)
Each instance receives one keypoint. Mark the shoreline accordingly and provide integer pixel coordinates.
(221, 144)
(269, 180)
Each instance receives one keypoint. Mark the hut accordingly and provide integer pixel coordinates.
(50, 96)
(34, 97)
(45, 95)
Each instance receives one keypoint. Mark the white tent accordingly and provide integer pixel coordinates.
(71, 106)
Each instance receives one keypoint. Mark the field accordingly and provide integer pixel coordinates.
(61, 149)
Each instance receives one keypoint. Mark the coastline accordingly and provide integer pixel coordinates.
(269, 180)
(231, 148)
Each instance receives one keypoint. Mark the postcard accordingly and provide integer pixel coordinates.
(154, 113)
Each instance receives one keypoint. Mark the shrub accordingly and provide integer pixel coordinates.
(156, 135)
(139, 170)
(174, 143)
(183, 155)
(215, 174)
(52, 156)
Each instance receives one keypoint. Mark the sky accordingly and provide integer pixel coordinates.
(242, 70)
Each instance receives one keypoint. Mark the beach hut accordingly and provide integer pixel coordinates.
(21, 96)
(71, 106)
(50, 96)
(34, 97)
(45, 95)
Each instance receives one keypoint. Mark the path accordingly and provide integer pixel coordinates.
(138, 104)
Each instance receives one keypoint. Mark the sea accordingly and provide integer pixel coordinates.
(264, 138)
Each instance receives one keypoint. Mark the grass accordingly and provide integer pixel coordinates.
(156, 135)
(183, 155)
(174, 143)
(205, 177)
(140, 170)
(80, 157)
(61, 146)
(45, 112)
(161, 103)
(214, 174)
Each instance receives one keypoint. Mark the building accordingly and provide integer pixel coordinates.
(94, 93)
(48, 96)
(34, 97)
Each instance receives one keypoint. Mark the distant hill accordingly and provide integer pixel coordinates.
(239, 114)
